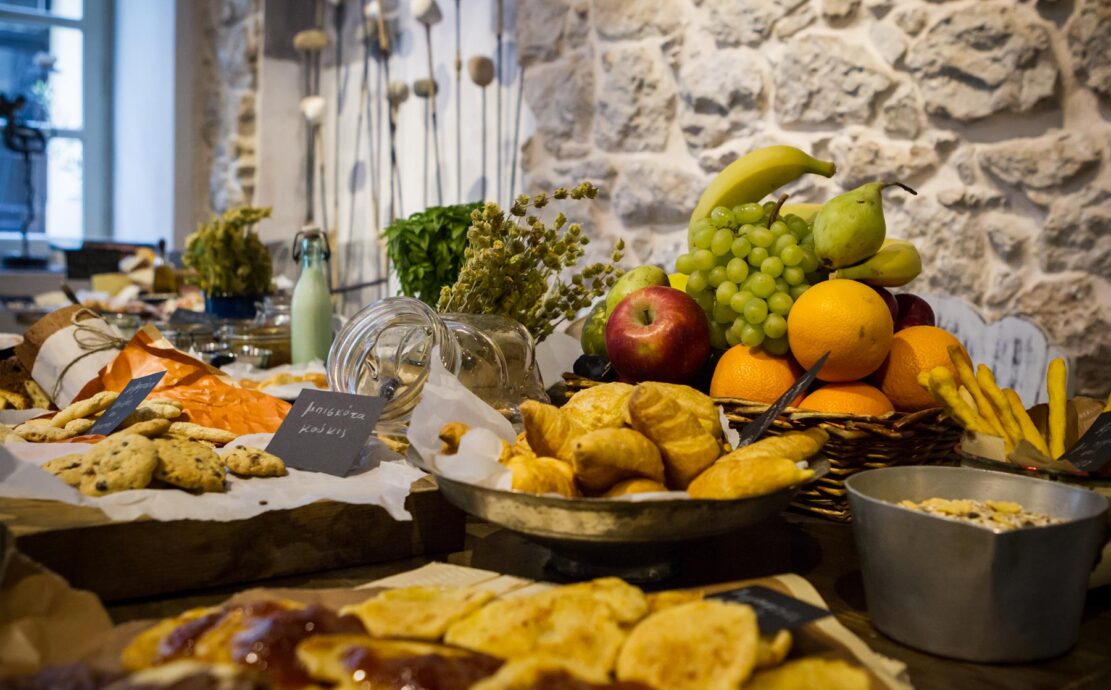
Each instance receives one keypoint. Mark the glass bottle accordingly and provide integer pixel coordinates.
(385, 350)
(311, 308)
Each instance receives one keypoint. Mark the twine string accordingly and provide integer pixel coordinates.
(91, 340)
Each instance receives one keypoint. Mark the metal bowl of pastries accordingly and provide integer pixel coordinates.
(573, 469)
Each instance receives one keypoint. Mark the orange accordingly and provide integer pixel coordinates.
(845, 318)
(854, 397)
(915, 349)
(753, 374)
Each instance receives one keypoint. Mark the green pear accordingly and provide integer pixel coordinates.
(593, 337)
(639, 277)
(849, 228)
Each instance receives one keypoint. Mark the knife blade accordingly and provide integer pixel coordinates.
(756, 428)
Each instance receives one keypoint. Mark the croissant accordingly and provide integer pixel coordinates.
(603, 457)
(451, 434)
(634, 486)
(542, 475)
(687, 447)
(600, 406)
(747, 477)
(697, 403)
(793, 445)
(550, 432)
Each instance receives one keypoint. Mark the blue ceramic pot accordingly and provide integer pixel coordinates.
(236, 307)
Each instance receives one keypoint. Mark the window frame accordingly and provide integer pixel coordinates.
(96, 26)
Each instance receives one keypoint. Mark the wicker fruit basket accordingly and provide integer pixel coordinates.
(856, 443)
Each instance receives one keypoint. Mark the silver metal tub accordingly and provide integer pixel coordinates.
(962, 591)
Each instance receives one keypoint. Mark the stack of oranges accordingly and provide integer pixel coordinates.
(871, 370)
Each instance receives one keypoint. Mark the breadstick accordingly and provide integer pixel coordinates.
(968, 380)
(1056, 377)
(1029, 431)
(986, 379)
(944, 389)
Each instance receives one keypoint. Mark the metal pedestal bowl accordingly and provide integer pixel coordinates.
(639, 541)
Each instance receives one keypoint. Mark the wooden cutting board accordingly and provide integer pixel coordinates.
(127, 560)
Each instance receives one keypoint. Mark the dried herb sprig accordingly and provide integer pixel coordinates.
(227, 254)
(514, 265)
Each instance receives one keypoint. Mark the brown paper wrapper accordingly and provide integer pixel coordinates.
(207, 396)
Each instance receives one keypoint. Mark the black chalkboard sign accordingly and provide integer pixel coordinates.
(135, 392)
(1093, 451)
(325, 431)
(774, 611)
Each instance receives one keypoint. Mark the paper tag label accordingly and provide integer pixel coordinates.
(135, 392)
(1093, 451)
(774, 611)
(325, 431)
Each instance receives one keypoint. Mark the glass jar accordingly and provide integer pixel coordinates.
(262, 346)
(385, 350)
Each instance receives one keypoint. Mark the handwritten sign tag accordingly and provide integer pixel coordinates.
(1093, 451)
(774, 611)
(325, 431)
(135, 392)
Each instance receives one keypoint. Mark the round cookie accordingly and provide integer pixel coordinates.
(68, 468)
(188, 465)
(252, 462)
(149, 428)
(122, 463)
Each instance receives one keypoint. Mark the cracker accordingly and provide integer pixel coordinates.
(120, 463)
(79, 426)
(164, 401)
(189, 465)
(147, 412)
(85, 408)
(149, 428)
(42, 433)
(196, 432)
(12, 398)
(68, 468)
(39, 398)
(252, 462)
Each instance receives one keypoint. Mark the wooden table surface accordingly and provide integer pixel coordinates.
(823, 552)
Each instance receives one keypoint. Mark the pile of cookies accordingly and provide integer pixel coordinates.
(150, 449)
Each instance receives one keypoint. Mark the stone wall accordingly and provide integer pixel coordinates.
(231, 31)
(996, 111)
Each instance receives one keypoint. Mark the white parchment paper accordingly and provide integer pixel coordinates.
(386, 485)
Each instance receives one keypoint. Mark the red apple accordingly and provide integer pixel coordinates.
(889, 300)
(658, 334)
(913, 311)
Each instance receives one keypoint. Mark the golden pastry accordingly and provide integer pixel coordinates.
(550, 432)
(687, 447)
(603, 457)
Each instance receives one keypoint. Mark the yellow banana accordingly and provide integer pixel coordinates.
(894, 265)
(805, 211)
(756, 175)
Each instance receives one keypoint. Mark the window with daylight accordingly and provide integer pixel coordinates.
(54, 115)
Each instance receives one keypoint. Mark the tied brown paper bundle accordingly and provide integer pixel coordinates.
(207, 396)
(43, 622)
(65, 349)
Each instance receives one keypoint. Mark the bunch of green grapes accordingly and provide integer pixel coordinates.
(746, 273)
